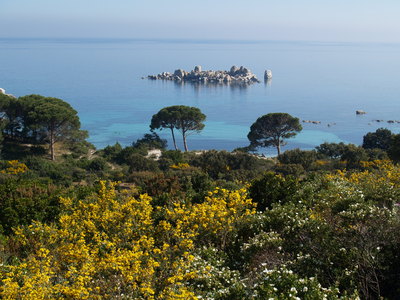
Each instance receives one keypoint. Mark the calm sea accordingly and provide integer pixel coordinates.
(102, 80)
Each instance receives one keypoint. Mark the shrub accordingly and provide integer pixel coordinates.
(24, 201)
(273, 188)
(380, 139)
(97, 164)
(299, 157)
(331, 150)
(150, 141)
(137, 162)
(289, 169)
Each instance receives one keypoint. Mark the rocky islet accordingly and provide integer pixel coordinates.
(236, 75)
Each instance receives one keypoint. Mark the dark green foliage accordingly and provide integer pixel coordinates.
(38, 150)
(123, 156)
(201, 182)
(11, 114)
(273, 188)
(134, 157)
(111, 152)
(39, 119)
(289, 169)
(175, 156)
(137, 162)
(62, 172)
(350, 155)
(246, 149)
(219, 164)
(97, 164)
(77, 144)
(3, 124)
(331, 150)
(214, 163)
(390, 286)
(380, 139)
(353, 155)
(51, 119)
(272, 129)
(40, 167)
(13, 150)
(151, 141)
(180, 117)
(300, 157)
(394, 149)
(171, 157)
(377, 154)
(22, 201)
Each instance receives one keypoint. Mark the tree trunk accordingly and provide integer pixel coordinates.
(173, 138)
(278, 147)
(53, 157)
(184, 142)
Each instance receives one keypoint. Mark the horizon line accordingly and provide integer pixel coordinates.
(195, 40)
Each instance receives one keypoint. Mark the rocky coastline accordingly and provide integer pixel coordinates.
(236, 75)
(3, 91)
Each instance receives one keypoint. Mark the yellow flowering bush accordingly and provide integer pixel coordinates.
(15, 167)
(379, 181)
(103, 247)
(110, 245)
(215, 218)
(180, 166)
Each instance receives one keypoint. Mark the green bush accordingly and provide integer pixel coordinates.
(218, 164)
(97, 164)
(289, 169)
(26, 200)
(331, 150)
(273, 188)
(380, 139)
(137, 162)
(299, 157)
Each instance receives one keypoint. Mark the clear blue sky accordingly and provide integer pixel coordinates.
(317, 20)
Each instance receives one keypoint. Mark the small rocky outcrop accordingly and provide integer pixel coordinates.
(267, 75)
(388, 121)
(393, 121)
(236, 75)
(360, 112)
(311, 122)
(3, 91)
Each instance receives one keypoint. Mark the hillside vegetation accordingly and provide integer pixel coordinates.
(116, 223)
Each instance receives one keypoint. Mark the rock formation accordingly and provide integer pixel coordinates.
(235, 75)
(389, 121)
(360, 112)
(3, 91)
(312, 122)
(267, 74)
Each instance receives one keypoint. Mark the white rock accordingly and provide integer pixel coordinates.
(267, 74)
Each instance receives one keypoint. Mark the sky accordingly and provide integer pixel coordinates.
(311, 20)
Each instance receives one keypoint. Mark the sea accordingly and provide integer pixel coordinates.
(105, 80)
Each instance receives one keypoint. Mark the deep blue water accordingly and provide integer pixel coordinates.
(102, 80)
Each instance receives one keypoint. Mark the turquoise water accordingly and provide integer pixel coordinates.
(102, 79)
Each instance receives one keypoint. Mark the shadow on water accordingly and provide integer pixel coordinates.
(207, 86)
